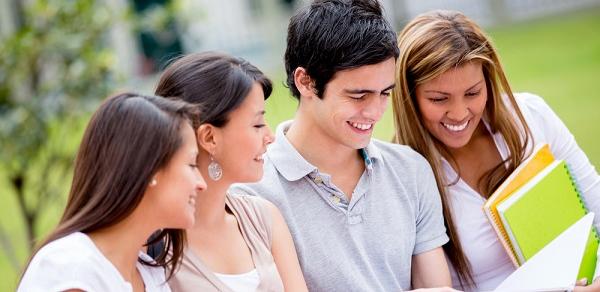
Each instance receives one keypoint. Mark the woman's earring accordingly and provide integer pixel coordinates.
(215, 172)
(153, 182)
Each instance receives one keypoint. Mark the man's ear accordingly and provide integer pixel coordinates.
(205, 135)
(304, 83)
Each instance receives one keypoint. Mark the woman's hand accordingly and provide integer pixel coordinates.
(581, 286)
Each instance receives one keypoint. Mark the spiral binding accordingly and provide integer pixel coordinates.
(579, 196)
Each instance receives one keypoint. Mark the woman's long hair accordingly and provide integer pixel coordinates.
(218, 82)
(128, 139)
(430, 45)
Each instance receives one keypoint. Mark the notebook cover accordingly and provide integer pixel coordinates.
(543, 208)
(537, 161)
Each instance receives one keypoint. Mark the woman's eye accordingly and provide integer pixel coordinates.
(476, 93)
(437, 99)
(259, 126)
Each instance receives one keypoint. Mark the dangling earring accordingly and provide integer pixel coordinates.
(153, 182)
(215, 172)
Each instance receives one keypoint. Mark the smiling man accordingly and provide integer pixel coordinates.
(365, 215)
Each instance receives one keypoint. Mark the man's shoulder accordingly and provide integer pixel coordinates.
(268, 186)
(397, 153)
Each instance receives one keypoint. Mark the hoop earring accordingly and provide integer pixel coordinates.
(215, 172)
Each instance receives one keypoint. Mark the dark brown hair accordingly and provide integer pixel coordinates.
(216, 82)
(128, 139)
(329, 36)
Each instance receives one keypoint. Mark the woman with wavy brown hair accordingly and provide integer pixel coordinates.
(453, 104)
(135, 173)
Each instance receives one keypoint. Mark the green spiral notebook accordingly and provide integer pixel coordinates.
(541, 210)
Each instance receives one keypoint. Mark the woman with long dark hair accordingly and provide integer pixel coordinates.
(239, 242)
(135, 173)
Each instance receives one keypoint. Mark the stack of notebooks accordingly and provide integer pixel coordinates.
(535, 204)
(556, 266)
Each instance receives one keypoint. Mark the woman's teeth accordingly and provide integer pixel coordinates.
(456, 128)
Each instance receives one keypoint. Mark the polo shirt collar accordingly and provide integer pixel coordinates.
(293, 166)
(286, 158)
(371, 154)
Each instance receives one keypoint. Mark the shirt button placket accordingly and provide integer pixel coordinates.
(318, 179)
(335, 199)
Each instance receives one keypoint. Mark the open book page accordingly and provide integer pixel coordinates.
(555, 267)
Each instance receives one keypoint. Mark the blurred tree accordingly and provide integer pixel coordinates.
(158, 33)
(289, 4)
(55, 66)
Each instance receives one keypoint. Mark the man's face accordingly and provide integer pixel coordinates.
(353, 101)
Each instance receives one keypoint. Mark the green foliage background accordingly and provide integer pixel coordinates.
(557, 58)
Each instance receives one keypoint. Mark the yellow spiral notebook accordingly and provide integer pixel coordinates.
(540, 210)
(538, 160)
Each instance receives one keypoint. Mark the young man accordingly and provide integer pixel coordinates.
(365, 215)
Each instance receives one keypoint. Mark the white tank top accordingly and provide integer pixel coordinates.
(246, 282)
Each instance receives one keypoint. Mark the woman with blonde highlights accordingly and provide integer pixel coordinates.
(453, 104)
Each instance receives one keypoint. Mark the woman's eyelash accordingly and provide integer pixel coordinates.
(437, 99)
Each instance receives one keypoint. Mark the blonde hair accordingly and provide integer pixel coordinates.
(430, 45)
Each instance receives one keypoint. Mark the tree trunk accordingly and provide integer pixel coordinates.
(18, 182)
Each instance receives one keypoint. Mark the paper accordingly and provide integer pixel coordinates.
(555, 267)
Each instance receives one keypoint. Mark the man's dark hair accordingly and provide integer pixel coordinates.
(333, 35)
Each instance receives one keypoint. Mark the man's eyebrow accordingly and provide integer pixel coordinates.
(361, 91)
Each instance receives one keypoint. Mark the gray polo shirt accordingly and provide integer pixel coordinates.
(365, 244)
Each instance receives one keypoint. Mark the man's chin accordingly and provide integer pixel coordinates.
(361, 144)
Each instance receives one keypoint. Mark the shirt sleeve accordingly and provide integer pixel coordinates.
(563, 146)
(51, 274)
(259, 216)
(431, 232)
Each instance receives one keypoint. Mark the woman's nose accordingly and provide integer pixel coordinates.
(269, 137)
